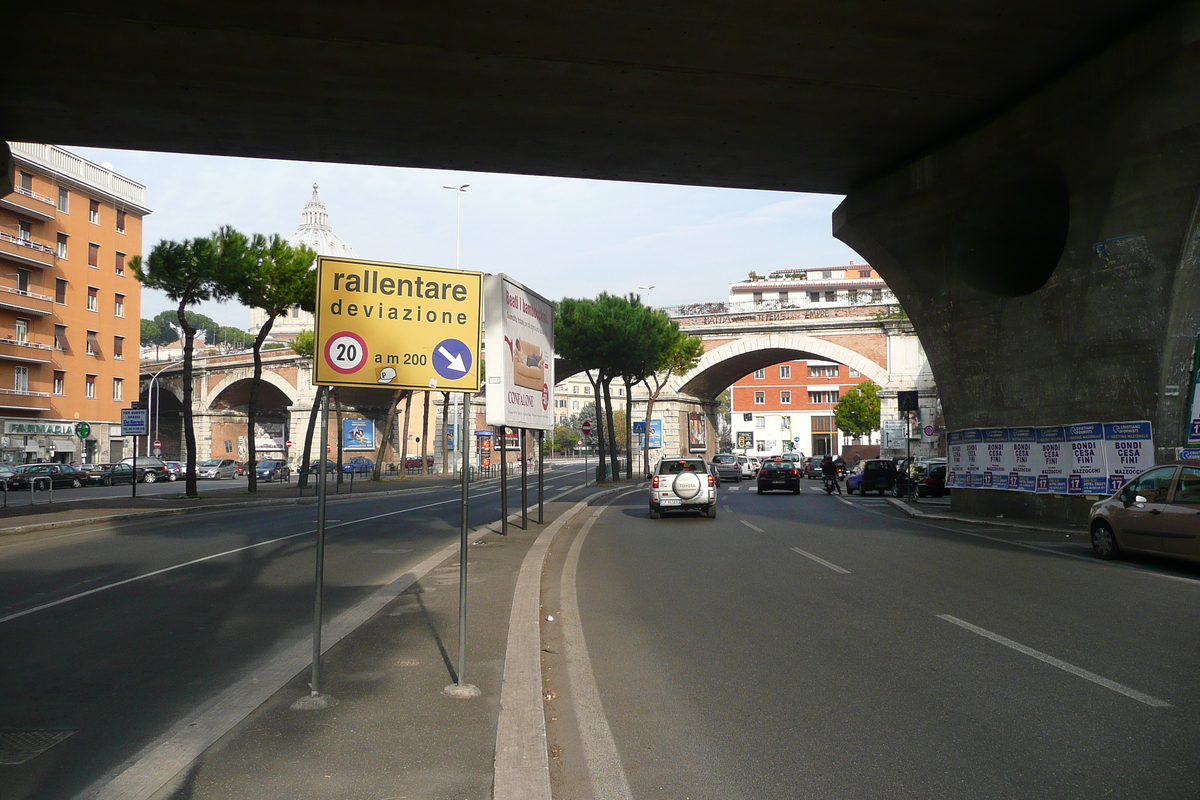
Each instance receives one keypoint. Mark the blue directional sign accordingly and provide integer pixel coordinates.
(639, 426)
(452, 359)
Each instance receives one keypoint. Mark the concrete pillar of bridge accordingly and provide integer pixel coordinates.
(1050, 259)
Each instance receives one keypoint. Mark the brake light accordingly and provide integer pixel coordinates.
(793, 472)
(712, 481)
(654, 484)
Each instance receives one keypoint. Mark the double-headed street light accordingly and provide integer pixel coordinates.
(648, 290)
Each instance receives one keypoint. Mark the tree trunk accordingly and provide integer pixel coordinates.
(252, 407)
(445, 431)
(308, 436)
(404, 438)
(337, 404)
(425, 437)
(387, 433)
(628, 428)
(612, 430)
(601, 477)
(189, 431)
(650, 400)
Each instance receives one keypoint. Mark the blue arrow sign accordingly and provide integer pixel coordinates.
(452, 359)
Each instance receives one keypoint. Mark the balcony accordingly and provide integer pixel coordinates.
(30, 203)
(26, 352)
(26, 302)
(25, 251)
(24, 400)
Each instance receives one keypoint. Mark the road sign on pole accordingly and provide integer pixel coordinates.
(397, 326)
(586, 428)
(135, 422)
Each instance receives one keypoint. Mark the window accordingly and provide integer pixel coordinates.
(814, 297)
(822, 424)
(854, 373)
(785, 423)
(295, 312)
(60, 291)
(25, 230)
(852, 295)
(89, 390)
(827, 274)
(757, 297)
(785, 371)
(25, 182)
(60, 382)
(93, 343)
(118, 388)
(120, 222)
(574, 390)
(22, 280)
(785, 398)
(823, 371)
(830, 296)
(760, 374)
(93, 299)
(64, 200)
(60, 337)
(864, 273)
(823, 397)
(120, 264)
(575, 405)
(93, 255)
(760, 398)
(61, 250)
(587, 390)
(747, 417)
(21, 330)
(876, 295)
(94, 212)
(21, 379)
(118, 347)
(783, 298)
(760, 421)
(119, 305)
(229, 445)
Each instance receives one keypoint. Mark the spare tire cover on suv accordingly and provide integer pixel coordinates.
(686, 485)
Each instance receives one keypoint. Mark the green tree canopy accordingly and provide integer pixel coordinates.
(857, 412)
(304, 344)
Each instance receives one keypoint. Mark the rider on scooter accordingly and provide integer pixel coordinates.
(829, 472)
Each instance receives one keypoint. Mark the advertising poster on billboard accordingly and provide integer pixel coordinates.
(1128, 449)
(997, 458)
(1194, 417)
(954, 463)
(654, 440)
(1086, 473)
(1023, 475)
(358, 434)
(697, 433)
(973, 458)
(519, 338)
(1053, 458)
(268, 436)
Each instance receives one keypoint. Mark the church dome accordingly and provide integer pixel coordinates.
(314, 230)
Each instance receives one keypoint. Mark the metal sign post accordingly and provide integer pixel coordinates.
(499, 436)
(541, 474)
(524, 480)
(460, 688)
(135, 422)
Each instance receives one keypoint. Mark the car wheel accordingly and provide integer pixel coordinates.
(106, 481)
(172, 477)
(896, 490)
(76, 483)
(760, 491)
(796, 490)
(711, 513)
(654, 513)
(150, 477)
(1104, 541)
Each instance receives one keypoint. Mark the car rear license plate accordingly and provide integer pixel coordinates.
(670, 501)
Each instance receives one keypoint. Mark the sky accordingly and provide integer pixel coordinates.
(561, 237)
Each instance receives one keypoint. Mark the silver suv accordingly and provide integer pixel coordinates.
(683, 483)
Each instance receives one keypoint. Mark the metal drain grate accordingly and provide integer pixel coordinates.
(17, 747)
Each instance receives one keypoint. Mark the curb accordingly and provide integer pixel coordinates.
(1005, 523)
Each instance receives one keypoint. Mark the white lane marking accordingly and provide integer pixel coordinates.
(202, 559)
(1054, 662)
(599, 748)
(728, 510)
(751, 527)
(821, 561)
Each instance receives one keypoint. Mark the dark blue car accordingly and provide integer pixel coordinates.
(359, 464)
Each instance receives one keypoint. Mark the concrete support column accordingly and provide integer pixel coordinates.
(1050, 260)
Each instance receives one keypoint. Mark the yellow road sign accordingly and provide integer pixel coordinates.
(397, 326)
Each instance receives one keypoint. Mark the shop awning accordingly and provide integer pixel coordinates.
(62, 445)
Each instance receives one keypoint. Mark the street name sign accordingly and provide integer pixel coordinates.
(397, 326)
(135, 422)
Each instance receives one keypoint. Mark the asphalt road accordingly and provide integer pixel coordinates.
(117, 630)
(810, 647)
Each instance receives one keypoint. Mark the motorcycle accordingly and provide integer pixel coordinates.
(831, 484)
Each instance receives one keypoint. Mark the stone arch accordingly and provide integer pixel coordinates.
(720, 367)
(269, 377)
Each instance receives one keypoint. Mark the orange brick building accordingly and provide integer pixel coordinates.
(70, 308)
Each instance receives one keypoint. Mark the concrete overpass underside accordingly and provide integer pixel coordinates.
(1024, 175)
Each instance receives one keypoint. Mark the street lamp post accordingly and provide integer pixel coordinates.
(648, 290)
(156, 401)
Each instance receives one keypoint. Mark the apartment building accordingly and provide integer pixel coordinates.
(70, 308)
(572, 396)
(842, 287)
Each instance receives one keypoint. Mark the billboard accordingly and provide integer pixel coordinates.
(397, 326)
(654, 440)
(697, 433)
(1088, 458)
(520, 339)
(358, 434)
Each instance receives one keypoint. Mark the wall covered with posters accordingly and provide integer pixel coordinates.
(1091, 458)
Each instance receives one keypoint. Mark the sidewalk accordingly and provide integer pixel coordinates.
(941, 511)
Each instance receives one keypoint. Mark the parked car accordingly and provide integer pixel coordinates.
(114, 474)
(176, 469)
(61, 475)
(682, 484)
(6, 472)
(358, 464)
(927, 475)
(778, 476)
(726, 467)
(150, 468)
(876, 474)
(748, 470)
(812, 468)
(1156, 512)
(217, 469)
(273, 471)
(414, 462)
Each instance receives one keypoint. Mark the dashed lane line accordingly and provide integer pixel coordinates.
(751, 526)
(821, 561)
